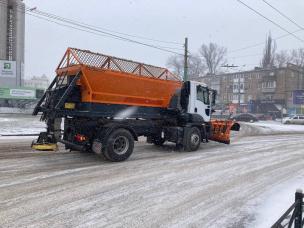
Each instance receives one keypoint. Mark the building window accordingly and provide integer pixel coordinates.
(270, 84)
(242, 98)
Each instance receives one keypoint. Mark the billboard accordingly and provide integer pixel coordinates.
(298, 97)
(20, 93)
(7, 69)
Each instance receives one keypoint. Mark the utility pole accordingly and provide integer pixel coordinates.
(239, 93)
(186, 60)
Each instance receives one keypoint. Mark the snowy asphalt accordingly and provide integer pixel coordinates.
(156, 187)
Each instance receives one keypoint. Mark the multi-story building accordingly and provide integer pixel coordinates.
(261, 90)
(12, 24)
(37, 82)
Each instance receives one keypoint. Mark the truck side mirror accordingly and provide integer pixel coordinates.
(213, 97)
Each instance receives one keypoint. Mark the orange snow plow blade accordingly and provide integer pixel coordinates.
(220, 130)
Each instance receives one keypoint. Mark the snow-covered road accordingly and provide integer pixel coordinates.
(217, 186)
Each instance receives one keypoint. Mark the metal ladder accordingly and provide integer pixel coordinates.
(47, 98)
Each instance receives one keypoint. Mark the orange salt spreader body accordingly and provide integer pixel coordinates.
(110, 80)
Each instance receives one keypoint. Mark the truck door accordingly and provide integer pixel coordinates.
(199, 101)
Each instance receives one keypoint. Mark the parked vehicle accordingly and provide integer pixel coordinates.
(296, 119)
(245, 117)
(108, 102)
(264, 116)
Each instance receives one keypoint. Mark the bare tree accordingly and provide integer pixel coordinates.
(282, 58)
(195, 66)
(297, 57)
(213, 56)
(269, 53)
(176, 64)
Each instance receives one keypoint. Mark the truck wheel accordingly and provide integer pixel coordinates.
(193, 139)
(118, 145)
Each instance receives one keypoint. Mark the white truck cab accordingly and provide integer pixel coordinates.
(200, 100)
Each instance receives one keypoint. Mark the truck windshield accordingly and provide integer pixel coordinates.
(202, 94)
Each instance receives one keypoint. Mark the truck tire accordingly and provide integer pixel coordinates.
(118, 145)
(193, 139)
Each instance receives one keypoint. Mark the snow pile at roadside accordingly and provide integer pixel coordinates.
(20, 124)
(268, 128)
(273, 204)
(279, 127)
(15, 110)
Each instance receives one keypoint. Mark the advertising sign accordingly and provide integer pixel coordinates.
(298, 97)
(22, 93)
(7, 69)
(7, 93)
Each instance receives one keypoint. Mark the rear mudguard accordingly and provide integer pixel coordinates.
(220, 130)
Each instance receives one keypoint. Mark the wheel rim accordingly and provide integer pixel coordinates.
(195, 139)
(121, 145)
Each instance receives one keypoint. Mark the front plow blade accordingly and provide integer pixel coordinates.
(220, 130)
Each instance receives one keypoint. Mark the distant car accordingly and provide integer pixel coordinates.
(245, 117)
(265, 117)
(296, 119)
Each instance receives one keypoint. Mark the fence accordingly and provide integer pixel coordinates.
(294, 214)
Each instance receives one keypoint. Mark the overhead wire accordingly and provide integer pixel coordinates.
(56, 17)
(262, 43)
(277, 38)
(244, 56)
(109, 30)
(118, 37)
(121, 33)
(84, 30)
(283, 15)
(62, 20)
(65, 25)
(273, 22)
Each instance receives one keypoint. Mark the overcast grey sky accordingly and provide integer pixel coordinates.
(225, 22)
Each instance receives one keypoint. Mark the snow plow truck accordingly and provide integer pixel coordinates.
(103, 104)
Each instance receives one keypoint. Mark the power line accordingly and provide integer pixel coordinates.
(263, 43)
(65, 25)
(125, 34)
(44, 15)
(111, 35)
(282, 14)
(243, 56)
(247, 47)
(84, 30)
(113, 31)
(276, 24)
(32, 10)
